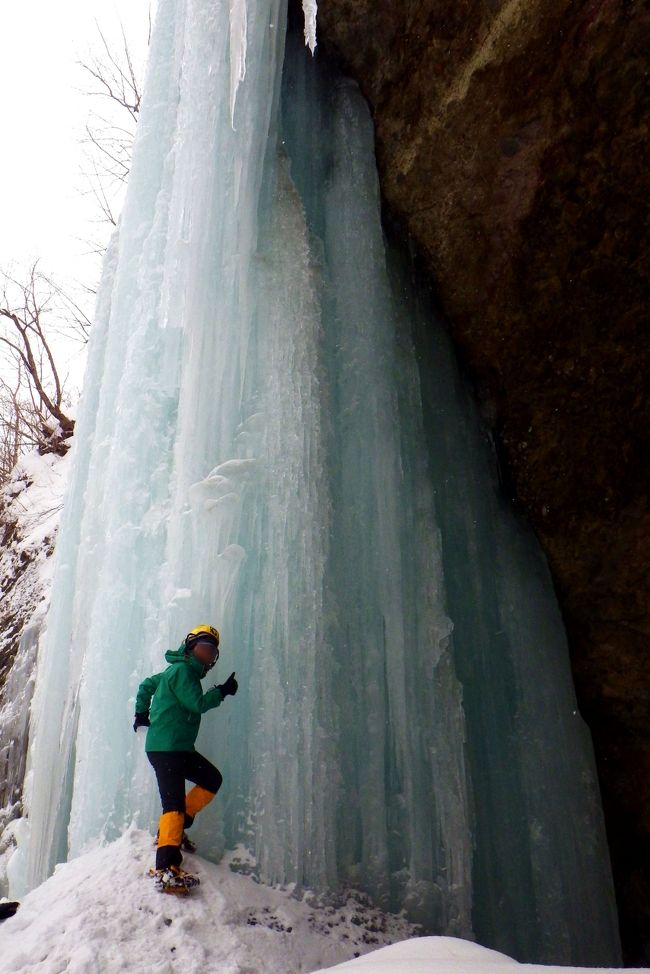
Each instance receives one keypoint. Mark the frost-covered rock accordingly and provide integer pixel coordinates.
(30, 505)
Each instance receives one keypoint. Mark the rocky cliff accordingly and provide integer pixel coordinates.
(510, 143)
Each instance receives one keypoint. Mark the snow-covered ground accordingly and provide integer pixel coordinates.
(101, 914)
(446, 955)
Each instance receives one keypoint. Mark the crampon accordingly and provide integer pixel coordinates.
(174, 880)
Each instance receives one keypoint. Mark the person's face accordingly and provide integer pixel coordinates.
(206, 653)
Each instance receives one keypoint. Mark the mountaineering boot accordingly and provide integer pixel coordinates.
(174, 880)
(186, 843)
(8, 909)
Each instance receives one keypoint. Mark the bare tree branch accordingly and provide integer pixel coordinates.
(78, 323)
(110, 144)
(33, 408)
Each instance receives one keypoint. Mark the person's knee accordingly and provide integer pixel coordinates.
(208, 776)
(215, 781)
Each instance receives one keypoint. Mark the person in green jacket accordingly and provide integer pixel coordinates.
(171, 704)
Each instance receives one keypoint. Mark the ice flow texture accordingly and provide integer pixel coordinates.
(260, 446)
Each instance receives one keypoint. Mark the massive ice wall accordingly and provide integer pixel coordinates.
(274, 439)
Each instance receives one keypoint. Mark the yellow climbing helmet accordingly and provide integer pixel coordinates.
(202, 634)
(210, 630)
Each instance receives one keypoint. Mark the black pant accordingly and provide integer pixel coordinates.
(172, 769)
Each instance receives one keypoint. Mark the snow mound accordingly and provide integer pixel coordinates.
(425, 955)
(100, 914)
(448, 955)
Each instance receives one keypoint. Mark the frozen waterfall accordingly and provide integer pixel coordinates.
(274, 438)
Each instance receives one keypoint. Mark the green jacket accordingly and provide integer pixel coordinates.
(178, 702)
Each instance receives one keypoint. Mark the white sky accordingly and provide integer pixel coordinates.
(43, 112)
(43, 210)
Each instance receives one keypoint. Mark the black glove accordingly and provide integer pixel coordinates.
(141, 720)
(229, 687)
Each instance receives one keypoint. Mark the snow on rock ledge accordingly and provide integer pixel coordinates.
(30, 507)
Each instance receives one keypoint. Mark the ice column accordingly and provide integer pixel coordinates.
(161, 407)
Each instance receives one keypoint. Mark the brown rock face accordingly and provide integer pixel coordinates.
(510, 140)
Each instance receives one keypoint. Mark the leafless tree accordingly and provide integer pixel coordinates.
(109, 139)
(34, 407)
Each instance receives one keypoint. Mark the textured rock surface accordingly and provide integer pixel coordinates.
(510, 142)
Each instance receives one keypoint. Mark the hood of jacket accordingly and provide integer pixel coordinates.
(178, 656)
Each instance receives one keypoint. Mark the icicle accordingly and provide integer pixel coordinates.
(237, 51)
(309, 8)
